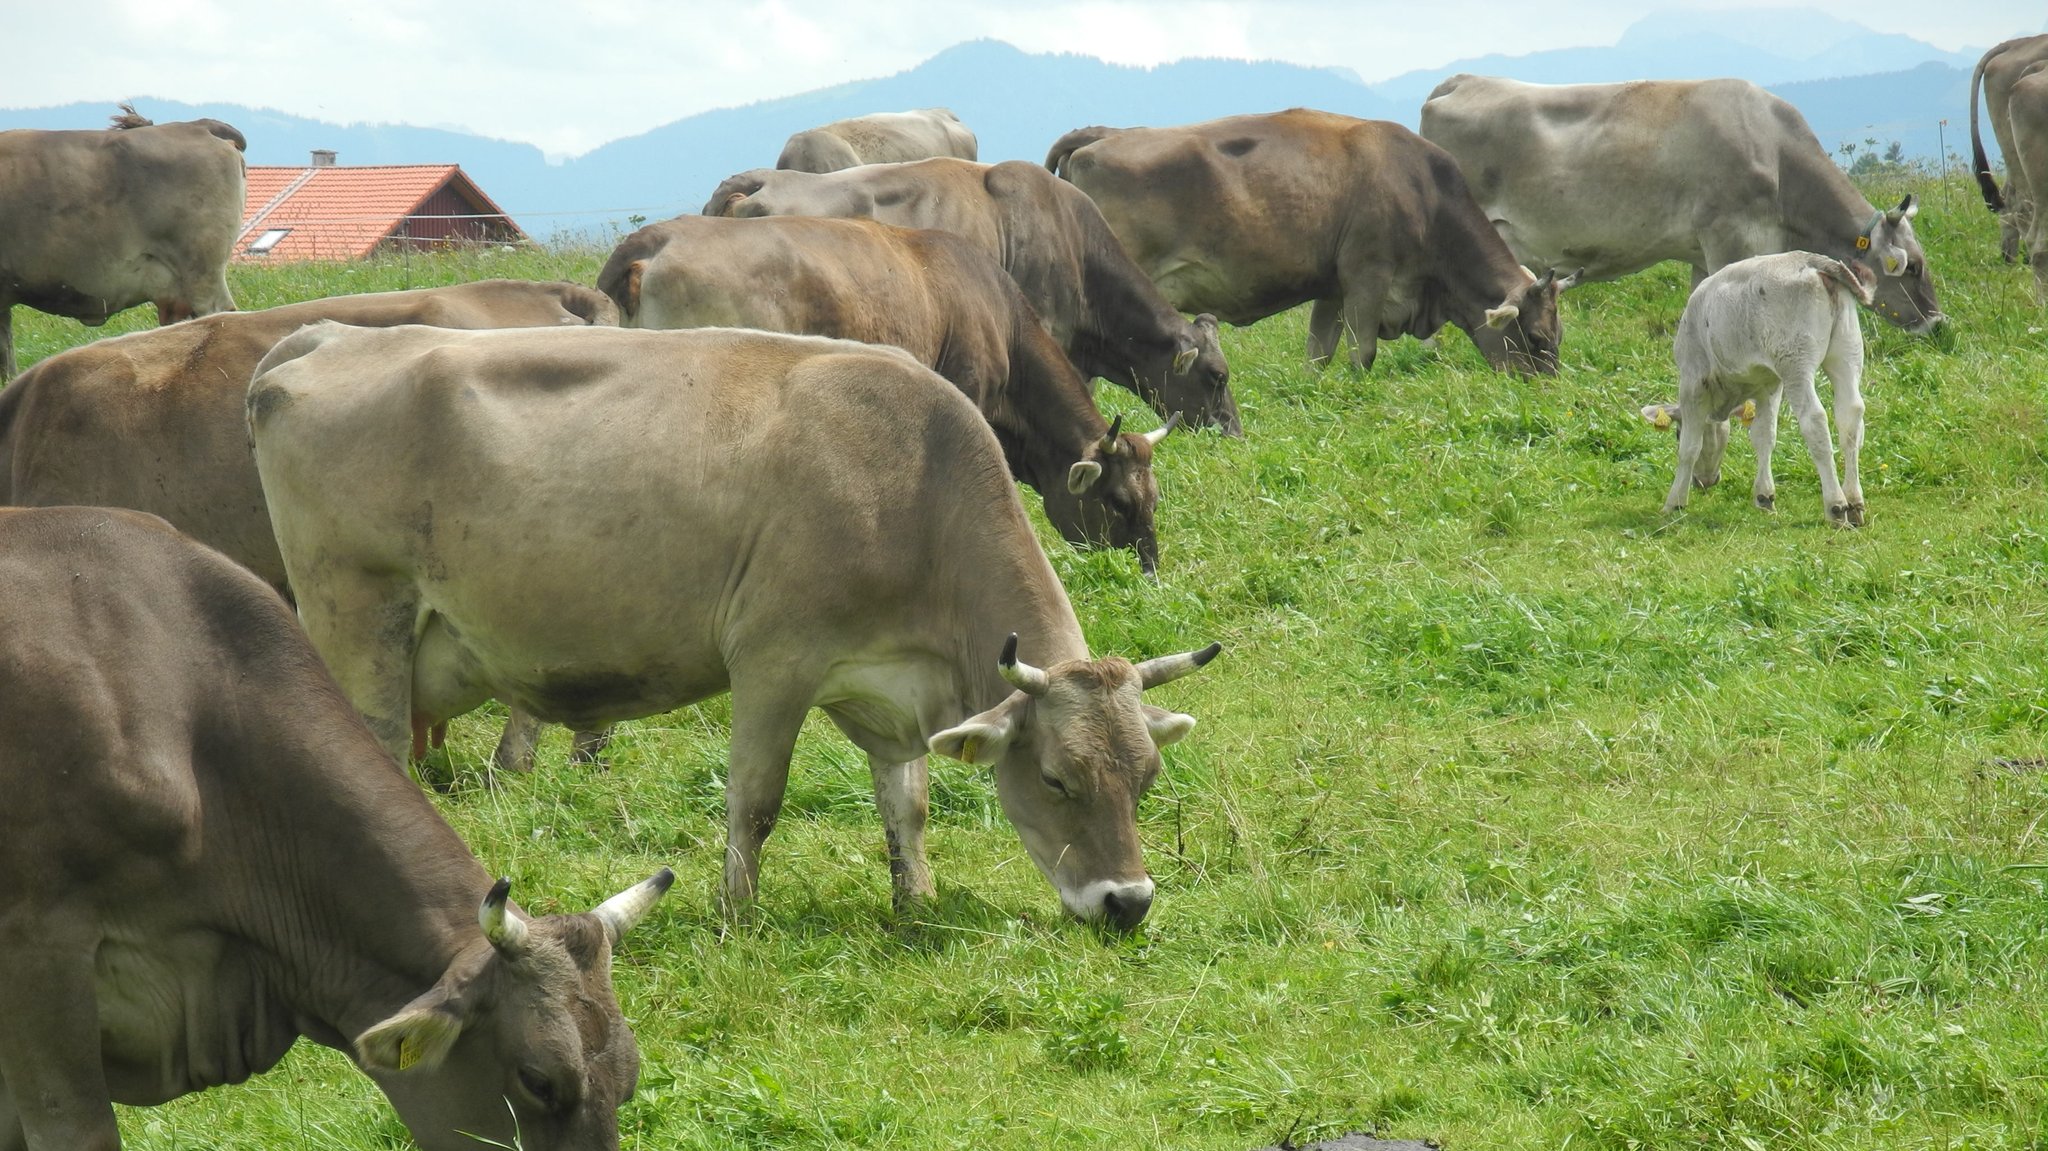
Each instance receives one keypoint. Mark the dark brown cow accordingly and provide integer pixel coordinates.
(1252, 215)
(205, 854)
(930, 293)
(2019, 202)
(154, 420)
(1053, 242)
(95, 222)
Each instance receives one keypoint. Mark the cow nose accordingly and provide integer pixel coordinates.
(1124, 906)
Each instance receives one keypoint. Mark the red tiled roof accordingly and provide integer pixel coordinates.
(343, 213)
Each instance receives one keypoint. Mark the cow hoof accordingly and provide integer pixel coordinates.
(587, 749)
(1839, 516)
(1855, 515)
(1768, 503)
(435, 772)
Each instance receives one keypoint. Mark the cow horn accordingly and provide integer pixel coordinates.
(506, 931)
(1022, 676)
(1168, 668)
(628, 907)
(1153, 437)
(1549, 275)
(1110, 443)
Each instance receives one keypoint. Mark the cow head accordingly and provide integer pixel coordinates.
(1196, 381)
(1905, 288)
(733, 191)
(1109, 495)
(521, 1042)
(1074, 748)
(1521, 335)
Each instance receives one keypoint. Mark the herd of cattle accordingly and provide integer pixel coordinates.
(795, 482)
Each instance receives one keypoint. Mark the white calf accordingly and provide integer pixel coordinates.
(1752, 331)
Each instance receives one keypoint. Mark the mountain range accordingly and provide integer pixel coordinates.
(1850, 82)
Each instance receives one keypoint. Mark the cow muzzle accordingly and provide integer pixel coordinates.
(1118, 904)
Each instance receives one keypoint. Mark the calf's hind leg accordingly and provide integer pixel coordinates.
(1763, 437)
(1844, 366)
(1813, 428)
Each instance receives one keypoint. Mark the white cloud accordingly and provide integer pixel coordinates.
(569, 78)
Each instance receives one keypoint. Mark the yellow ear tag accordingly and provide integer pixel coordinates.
(408, 1053)
(1748, 412)
(1893, 265)
(969, 748)
(1662, 421)
(1863, 243)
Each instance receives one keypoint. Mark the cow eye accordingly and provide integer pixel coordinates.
(537, 1086)
(1054, 782)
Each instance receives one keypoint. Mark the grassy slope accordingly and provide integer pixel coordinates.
(1518, 814)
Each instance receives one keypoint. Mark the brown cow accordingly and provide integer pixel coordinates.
(1996, 74)
(1249, 216)
(930, 293)
(205, 855)
(1053, 242)
(2027, 114)
(154, 420)
(95, 222)
(878, 138)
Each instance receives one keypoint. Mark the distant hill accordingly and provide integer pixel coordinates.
(1019, 102)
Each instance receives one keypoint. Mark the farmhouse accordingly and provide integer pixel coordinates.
(324, 211)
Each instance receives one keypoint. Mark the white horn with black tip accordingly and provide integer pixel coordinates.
(506, 931)
(1022, 676)
(1168, 668)
(1153, 437)
(628, 907)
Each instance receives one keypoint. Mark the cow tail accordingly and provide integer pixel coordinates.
(1980, 166)
(1067, 145)
(1849, 276)
(129, 118)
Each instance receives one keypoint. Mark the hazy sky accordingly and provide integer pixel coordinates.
(569, 77)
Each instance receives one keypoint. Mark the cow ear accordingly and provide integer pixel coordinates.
(1083, 475)
(1185, 359)
(419, 1036)
(983, 738)
(1502, 316)
(1167, 726)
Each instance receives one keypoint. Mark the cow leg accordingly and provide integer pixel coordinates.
(1763, 437)
(1324, 330)
(50, 1056)
(903, 793)
(7, 366)
(587, 748)
(516, 746)
(1691, 437)
(368, 631)
(1813, 428)
(1362, 323)
(1844, 366)
(765, 723)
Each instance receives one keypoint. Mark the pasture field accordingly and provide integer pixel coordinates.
(1519, 814)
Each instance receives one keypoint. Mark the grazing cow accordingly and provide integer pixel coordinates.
(880, 138)
(1996, 74)
(205, 855)
(154, 420)
(804, 522)
(1752, 332)
(930, 293)
(1053, 241)
(1249, 216)
(95, 222)
(1617, 177)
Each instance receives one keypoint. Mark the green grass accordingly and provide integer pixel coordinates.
(1520, 815)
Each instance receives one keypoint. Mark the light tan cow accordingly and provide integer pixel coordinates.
(2027, 115)
(1614, 178)
(92, 223)
(154, 420)
(599, 524)
(1995, 75)
(879, 138)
